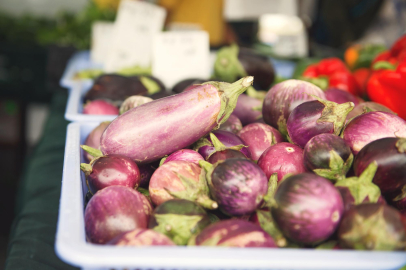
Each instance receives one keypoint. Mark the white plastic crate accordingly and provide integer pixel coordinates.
(71, 245)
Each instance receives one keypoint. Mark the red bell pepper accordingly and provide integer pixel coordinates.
(361, 76)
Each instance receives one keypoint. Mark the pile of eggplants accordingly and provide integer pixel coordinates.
(186, 170)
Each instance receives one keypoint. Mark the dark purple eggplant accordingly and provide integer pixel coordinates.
(340, 96)
(258, 137)
(237, 185)
(100, 107)
(328, 156)
(316, 117)
(233, 63)
(146, 172)
(307, 208)
(283, 97)
(182, 85)
(233, 233)
(282, 158)
(222, 152)
(368, 106)
(372, 226)
(233, 124)
(370, 127)
(141, 237)
(248, 109)
(179, 220)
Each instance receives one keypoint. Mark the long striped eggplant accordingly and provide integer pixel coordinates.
(148, 132)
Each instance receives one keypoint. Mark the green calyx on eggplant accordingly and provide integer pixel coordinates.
(179, 220)
(263, 218)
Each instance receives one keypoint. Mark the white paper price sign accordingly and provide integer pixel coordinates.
(102, 33)
(181, 55)
(136, 24)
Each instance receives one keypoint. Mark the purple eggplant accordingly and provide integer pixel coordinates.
(114, 210)
(179, 220)
(141, 237)
(237, 185)
(146, 172)
(233, 124)
(93, 139)
(185, 155)
(370, 127)
(390, 155)
(283, 97)
(307, 208)
(224, 155)
(183, 85)
(258, 137)
(132, 102)
(205, 145)
(316, 117)
(282, 158)
(155, 129)
(111, 170)
(100, 107)
(233, 233)
(372, 226)
(340, 96)
(182, 180)
(328, 156)
(368, 106)
(248, 109)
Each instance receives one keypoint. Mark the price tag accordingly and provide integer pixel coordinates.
(181, 55)
(136, 24)
(101, 41)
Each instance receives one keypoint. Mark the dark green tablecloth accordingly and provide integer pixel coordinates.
(32, 236)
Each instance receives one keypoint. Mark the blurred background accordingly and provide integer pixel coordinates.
(37, 37)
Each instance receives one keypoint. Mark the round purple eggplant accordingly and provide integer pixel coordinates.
(307, 208)
(224, 155)
(185, 155)
(237, 185)
(146, 172)
(111, 170)
(282, 158)
(316, 117)
(248, 109)
(100, 107)
(370, 127)
(258, 137)
(372, 226)
(328, 156)
(283, 97)
(93, 139)
(340, 96)
(233, 233)
(149, 132)
(368, 106)
(182, 180)
(179, 220)
(233, 124)
(141, 237)
(205, 145)
(114, 210)
(184, 84)
(132, 102)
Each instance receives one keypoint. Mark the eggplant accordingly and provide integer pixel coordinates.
(328, 156)
(93, 139)
(100, 107)
(370, 127)
(141, 237)
(316, 117)
(248, 109)
(118, 88)
(372, 226)
(132, 102)
(237, 185)
(233, 124)
(258, 137)
(368, 106)
(146, 172)
(340, 96)
(263, 218)
(155, 129)
(282, 158)
(179, 220)
(183, 85)
(233, 63)
(307, 208)
(222, 152)
(181, 180)
(185, 155)
(233, 233)
(114, 210)
(283, 97)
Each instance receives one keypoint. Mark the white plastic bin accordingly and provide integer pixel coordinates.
(71, 245)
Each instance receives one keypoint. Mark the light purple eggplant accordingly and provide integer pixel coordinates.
(258, 137)
(237, 185)
(205, 146)
(158, 128)
(366, 107)
(370, 127)
(101, 107)
(340, 96)
(141, 237)
(233, 233)
(316, 117)
(282, 158)
(329, 156)
(248, 109)
(372, 226)
(185, 155)
(308, 208)
(93, 139)
(283, 97)
(182, 180)
(114, 210)
(233, 124)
